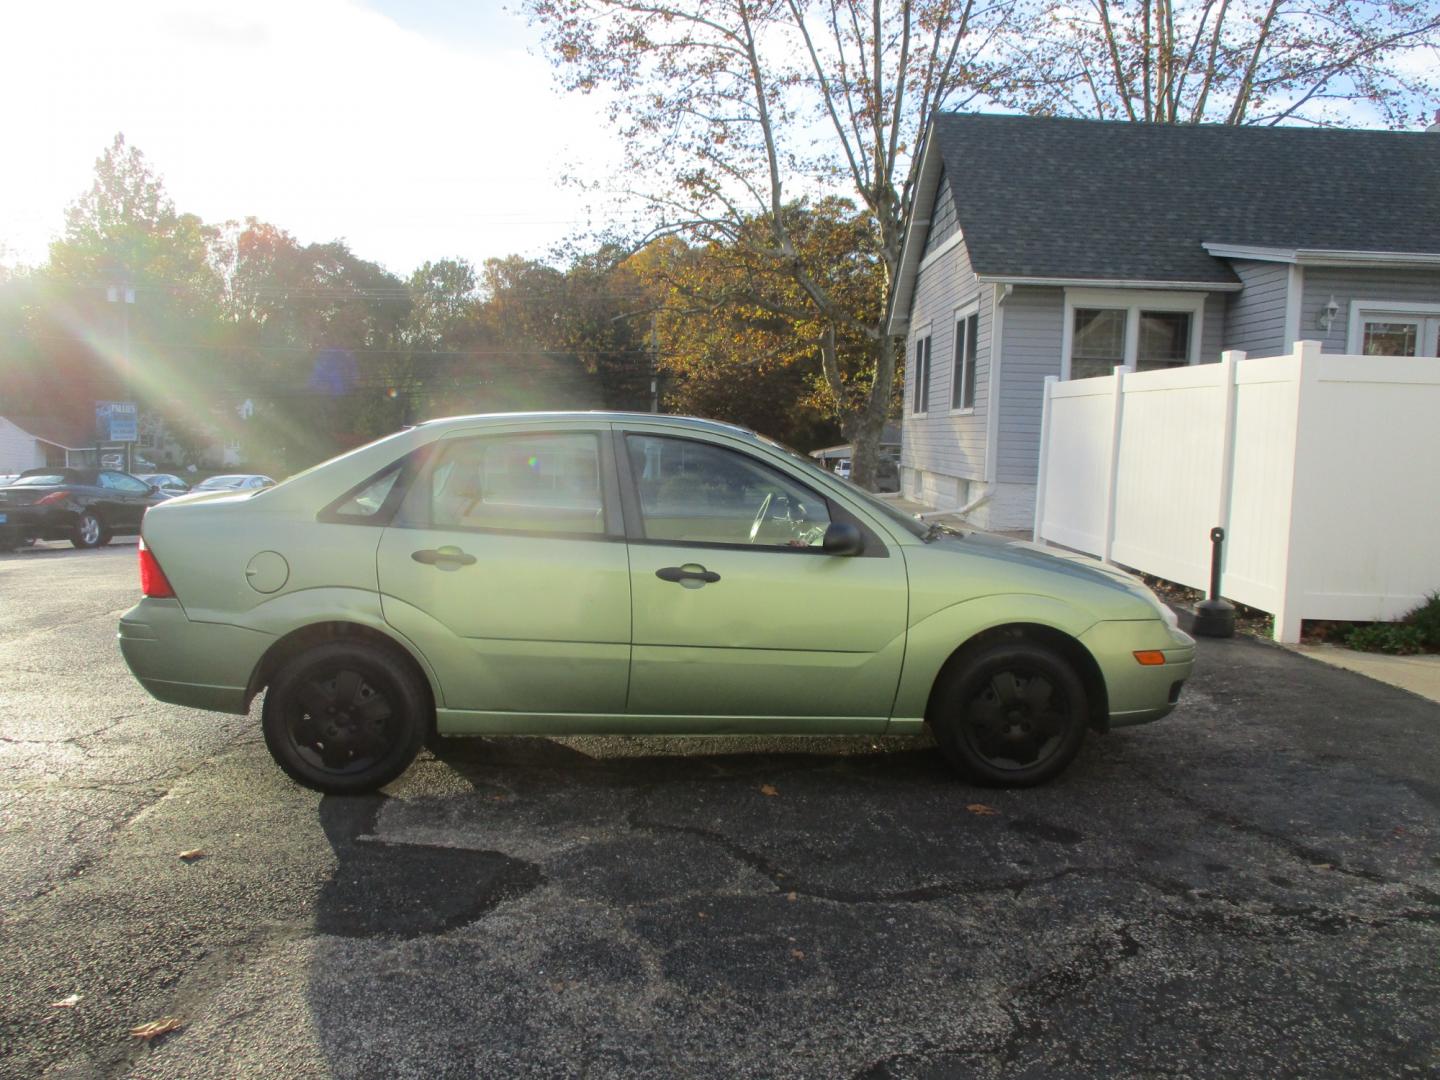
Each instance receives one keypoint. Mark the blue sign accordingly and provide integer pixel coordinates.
(117, 421)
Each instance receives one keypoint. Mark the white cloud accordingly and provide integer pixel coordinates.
(321, 116)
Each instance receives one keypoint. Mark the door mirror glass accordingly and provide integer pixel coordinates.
(843, 538)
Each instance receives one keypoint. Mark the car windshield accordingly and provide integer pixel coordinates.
(913, 526)
(221, 482)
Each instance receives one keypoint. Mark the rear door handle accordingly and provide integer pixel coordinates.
(445, 558)
(689, 572)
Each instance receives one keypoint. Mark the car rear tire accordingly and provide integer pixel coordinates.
(89, 531)
(1015, 715)
(345, 717)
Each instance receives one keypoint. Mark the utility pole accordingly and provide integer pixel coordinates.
(124, 295)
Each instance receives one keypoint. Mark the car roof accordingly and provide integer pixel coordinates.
(693, 423)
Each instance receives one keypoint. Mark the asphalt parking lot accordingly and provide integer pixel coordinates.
(1249, 888)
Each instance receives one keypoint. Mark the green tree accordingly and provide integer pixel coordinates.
(129, 300)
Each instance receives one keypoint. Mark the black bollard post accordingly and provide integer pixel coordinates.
(1215, 617)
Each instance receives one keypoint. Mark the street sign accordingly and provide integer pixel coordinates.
(117, 421)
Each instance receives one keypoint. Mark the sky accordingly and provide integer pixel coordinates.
(413, 129)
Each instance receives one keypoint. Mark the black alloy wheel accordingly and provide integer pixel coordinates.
(345, 717)
(1013, 716)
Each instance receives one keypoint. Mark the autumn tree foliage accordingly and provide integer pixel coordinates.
(734, 113)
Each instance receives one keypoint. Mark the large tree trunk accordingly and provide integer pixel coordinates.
(865, 428)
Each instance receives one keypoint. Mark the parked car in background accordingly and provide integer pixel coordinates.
(85, 506)
(235, 482)
(613, 573)
(117, 462)
(168, 483)
(842, 468)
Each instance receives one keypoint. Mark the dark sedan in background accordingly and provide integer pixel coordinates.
(85, 506)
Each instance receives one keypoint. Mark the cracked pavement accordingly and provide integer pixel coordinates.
(1248, 888)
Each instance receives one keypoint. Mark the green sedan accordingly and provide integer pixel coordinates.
(589, 573)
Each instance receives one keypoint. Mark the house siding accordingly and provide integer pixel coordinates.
(1030, 350)
(1255, 321)
(1347, 284)
(947, 447)
(19, 450)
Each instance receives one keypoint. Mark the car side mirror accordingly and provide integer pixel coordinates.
(154, 489)
(842, 538)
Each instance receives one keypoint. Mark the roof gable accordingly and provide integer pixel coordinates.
(1059, 199)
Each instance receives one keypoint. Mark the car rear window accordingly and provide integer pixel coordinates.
(43, 480)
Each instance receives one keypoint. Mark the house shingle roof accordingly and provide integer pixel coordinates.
(1056, 198)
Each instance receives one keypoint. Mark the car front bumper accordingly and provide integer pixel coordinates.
(1139, 693)
(166, 652)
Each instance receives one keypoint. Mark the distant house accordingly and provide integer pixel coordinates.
(1043, 246)
(33, 442)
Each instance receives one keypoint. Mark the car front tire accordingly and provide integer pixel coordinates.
(89, 532)
(345, 717)
(1014, 715)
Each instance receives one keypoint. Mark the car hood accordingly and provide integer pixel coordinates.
(1026, 556)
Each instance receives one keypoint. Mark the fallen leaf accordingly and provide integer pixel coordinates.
(981, 809)
(66, 1002)
(798, 954)
(703, 915)
(155, 1028)
(769, 789)
(792, 896)
(192, 855)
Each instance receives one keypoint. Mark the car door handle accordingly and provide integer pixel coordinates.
(445, 558)
(691, 572)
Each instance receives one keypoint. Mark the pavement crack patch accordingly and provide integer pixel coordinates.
(786, 883)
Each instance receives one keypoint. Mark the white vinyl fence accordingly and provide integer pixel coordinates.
(1323, 470)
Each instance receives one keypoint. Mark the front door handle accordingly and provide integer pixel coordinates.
(445, 558)
(688, 572)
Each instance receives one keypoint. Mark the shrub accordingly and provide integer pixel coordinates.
(1401, 638)
(1426, 619)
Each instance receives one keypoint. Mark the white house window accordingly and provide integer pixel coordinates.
(1098, 345)
(1164, 340)
(1137, 329)
(1393, 329)
(921, 402)
(1390, 338)
(962, 376)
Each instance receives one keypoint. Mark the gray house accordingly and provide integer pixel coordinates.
(1043, 247)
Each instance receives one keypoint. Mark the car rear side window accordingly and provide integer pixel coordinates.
(367, 501)
(549, 483)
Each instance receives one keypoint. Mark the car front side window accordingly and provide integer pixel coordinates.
(695, 492)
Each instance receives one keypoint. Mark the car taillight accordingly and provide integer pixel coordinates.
(153, 581)
(53, 497)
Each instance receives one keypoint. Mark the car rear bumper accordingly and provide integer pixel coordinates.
(1140, 693)
(44, 524)
(166, 652)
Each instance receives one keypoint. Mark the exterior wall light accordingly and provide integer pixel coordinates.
(1328, 314)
